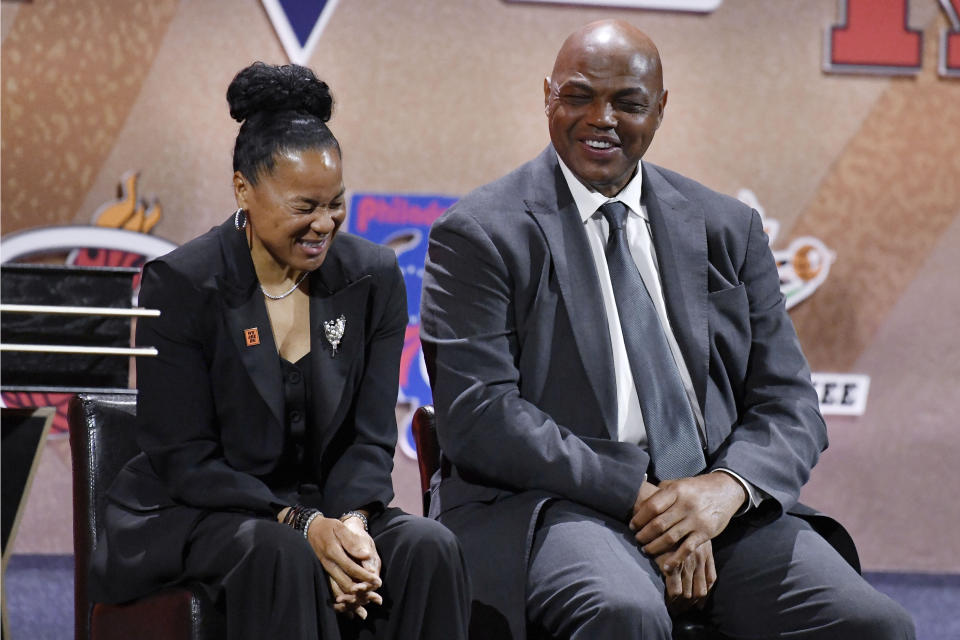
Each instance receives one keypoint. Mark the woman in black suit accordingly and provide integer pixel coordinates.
(267, 420)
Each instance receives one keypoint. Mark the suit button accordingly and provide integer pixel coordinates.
(294, 377)
(295, 416)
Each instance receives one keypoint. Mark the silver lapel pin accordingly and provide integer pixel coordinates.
(333, 332)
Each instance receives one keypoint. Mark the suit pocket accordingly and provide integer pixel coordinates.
(717, 282)
(731, 299)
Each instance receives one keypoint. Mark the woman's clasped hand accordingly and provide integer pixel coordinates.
(349, 556)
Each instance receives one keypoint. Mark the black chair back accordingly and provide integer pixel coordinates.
(102, 440)
(428, 449)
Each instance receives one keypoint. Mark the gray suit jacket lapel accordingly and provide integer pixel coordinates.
(556, 213)
(680, 240)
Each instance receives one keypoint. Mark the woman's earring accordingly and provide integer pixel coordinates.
(240, 219)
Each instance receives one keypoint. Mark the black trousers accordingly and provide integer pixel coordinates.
(271, 584)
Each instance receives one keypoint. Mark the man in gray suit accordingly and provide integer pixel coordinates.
(625, 413)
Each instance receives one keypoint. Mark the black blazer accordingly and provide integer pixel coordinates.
(515, 334)
(210, 408)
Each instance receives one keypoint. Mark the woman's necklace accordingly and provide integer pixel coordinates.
(292, 289)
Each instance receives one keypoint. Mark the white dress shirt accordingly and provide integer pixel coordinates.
(630, 427)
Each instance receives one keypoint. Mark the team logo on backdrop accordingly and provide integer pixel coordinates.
(803, 266)
(118, 237)
(402, 223)
(298, 24)
(875, 37)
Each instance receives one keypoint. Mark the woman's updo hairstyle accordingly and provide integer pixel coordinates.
(281, 108)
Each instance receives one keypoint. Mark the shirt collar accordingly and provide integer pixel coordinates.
(588, 201)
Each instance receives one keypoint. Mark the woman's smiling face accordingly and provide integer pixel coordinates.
(296, 208)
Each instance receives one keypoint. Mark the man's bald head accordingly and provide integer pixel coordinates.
(604, 101)
(605, 37)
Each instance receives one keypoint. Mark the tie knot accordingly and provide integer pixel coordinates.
(615, 213)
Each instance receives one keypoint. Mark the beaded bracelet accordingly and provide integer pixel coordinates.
(356, 514)
(306, 526)
(306, 517)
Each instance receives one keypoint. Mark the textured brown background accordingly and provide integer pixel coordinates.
(440, 96)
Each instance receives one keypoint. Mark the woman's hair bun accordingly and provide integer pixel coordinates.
(290, 87)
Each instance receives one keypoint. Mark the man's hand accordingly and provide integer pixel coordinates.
(647, 489)
(350, 558)
(689, 581)
(688, 584)
(684, 514)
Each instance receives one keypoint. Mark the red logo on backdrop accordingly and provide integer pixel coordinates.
(875, 37)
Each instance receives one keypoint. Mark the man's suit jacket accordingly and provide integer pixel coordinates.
(211, 420)
(515, 334)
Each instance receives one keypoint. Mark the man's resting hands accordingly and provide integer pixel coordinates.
(674, 524)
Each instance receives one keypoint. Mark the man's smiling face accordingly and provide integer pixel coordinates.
(604, 103)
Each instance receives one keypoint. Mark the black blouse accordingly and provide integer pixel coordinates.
(285, 479)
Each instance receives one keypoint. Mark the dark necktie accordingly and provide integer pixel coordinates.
(672, 437)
